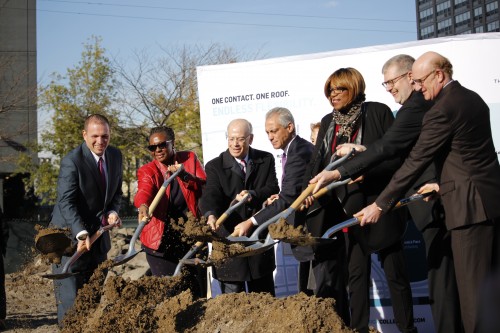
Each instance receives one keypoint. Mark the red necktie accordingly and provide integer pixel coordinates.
(102, 175)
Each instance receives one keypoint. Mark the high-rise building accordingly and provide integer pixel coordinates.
(18, 85)
(439, 18)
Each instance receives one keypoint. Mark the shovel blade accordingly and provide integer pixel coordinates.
(59, 276)
(256, 249)
(124, 258)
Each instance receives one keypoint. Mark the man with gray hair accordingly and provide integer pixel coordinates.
(236, 171)
(297, 152)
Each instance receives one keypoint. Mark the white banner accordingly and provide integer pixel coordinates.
(248, 90)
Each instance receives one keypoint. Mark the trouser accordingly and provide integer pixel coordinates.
(66, 289)
(443, 292)
(264, 284)
(303, 275)
(330, 279)
(394, 265)
(475, 254)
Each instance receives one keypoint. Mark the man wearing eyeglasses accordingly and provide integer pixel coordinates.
(398, 141)
(456, 133)
(238, 170)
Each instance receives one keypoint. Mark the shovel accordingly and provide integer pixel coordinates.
(196, 247)
(66, 272)
(132, 252)
(327, 236)
(293, 207)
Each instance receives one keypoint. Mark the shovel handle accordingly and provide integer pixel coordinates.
(231, 208)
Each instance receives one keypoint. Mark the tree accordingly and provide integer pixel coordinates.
(165, 91)
(86, 89)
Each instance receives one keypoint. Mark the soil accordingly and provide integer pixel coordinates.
(285, 232)
(129, 301)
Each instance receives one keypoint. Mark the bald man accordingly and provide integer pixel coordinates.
(456, 134)
(237, 169)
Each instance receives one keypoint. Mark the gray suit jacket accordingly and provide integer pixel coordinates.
(80, 202)
(456, 134)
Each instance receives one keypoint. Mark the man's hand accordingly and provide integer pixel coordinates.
(211, 221)
(113, 218)
(369, 215)
(271, 199)
(346, 148)
(243, 228)
(83, 245)
(429, 188)
(144, 213)
(242, 194)
(324, 178)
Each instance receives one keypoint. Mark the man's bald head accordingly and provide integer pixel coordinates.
(430, 73)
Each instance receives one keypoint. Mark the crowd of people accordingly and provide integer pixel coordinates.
(439, 140)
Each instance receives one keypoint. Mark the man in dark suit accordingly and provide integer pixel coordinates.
(398, 141)
(88, 196)
(236, 171)
(456, 134)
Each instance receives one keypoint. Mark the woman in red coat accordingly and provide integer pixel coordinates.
(163, 245)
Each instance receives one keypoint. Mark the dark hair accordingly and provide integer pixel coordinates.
(95, 118)
(169, 132)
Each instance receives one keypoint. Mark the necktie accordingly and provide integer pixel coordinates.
(283, 162)
(102, 175)
(243, 166)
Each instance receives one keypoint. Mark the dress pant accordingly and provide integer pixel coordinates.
(66, 289)
(475, 253)
(443, 292)
(264, 284)
(394, 265)
(330, 281)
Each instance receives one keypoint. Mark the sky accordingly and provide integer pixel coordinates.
(271, 28)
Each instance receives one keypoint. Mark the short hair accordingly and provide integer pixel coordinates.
(169, 132)
(315, 126)
(246, 122)
(445, 65)
(349, 78)
(285, 117)
(403, 61)
(95, 118)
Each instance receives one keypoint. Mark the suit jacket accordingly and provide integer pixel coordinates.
(80, 202)
(398, 142)
(225, 179)
(456, 133)
(297, 159)
(149, 181)
(336, 207)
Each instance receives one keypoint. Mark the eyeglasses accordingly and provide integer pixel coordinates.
(161, 145)
(390, 83)
(238, 140)
(337, 90)
(422, 80)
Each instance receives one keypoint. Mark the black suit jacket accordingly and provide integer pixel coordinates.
(298, 158)
(336, 207)
(456, 133)
(398, 142)
(224, 181)
(80, 202)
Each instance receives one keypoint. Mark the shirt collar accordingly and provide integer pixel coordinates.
(285, 150)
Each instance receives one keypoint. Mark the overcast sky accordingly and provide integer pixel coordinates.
(274, 28)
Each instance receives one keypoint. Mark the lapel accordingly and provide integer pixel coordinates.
(229, 163)
(92, 166)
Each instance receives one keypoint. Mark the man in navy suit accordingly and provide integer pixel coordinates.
(88, 196)
(280, 129)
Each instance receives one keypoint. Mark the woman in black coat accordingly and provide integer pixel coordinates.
(355, 121)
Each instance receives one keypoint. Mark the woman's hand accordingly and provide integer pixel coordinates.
(346, 148)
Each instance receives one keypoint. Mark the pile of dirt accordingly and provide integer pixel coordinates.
(285, 232)
(126, 300)
(53, 243)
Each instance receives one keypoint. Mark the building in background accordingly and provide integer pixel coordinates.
(438, 18)
(18, 84)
